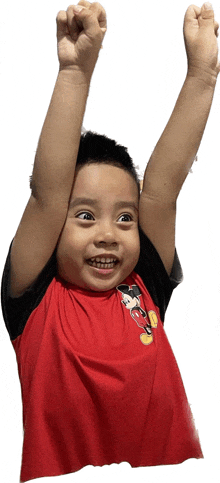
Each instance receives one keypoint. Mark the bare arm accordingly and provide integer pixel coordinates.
(58, 145)
(79, 40)
(176, 149)
(59, 141)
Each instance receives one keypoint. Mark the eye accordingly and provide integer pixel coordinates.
(85, 215)
(125, 217)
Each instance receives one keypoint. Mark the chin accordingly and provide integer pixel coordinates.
(104, 285)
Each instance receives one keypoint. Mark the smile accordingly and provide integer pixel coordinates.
(103, 263)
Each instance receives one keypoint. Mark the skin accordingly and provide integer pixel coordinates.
(104, 229)
(80, 36)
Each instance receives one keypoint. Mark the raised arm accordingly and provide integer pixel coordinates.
(79, 36)
(176, 149)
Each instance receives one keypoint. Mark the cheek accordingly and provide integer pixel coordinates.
(70, 253)
(133, 247)
(71, 242)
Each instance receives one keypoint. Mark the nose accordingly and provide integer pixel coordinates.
(106, 235)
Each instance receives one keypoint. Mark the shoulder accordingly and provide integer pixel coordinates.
(154, 275)
(17, 310)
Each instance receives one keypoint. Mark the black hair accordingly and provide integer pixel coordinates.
(98, 148)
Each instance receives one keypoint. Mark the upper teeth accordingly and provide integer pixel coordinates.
(103, 260)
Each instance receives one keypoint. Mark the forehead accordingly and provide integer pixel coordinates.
(103, 180)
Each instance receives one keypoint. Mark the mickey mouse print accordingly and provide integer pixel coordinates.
(147, 321)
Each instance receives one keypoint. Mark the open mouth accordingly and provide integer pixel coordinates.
(103, 263)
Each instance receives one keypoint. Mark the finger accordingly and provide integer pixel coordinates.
(84, 3)
(191, 20)
(206, 19)
(89, 20)
(191, 26)
(192, 14)
(100, 13)
(207, 11)
(62, 27)
(77, 24)
(73, 25)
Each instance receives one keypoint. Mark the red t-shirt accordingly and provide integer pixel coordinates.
(100, 383)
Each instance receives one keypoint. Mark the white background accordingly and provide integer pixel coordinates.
(134, 88)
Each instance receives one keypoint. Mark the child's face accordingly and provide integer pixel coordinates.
(99, 244)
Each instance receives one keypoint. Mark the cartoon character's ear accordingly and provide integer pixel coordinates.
(123, 288)
(136, 290)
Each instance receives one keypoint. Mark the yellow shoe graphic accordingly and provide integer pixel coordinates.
(153, 318)
(146, 339)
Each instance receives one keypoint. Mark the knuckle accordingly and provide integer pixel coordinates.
(61, 15)
(70, 7)
(95, 5)
(99, 35)
(98, 7)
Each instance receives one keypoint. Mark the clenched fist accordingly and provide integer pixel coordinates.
(200, 35)
(80, 32)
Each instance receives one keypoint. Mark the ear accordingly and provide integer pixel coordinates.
(136, 290)
(123, 288)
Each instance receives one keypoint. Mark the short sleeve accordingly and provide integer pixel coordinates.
(176, 276)
(16, 311)
(152, 271)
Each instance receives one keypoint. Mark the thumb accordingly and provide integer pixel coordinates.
(206, 17)
(87, 19)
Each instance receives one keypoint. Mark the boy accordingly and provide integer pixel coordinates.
(92, 267)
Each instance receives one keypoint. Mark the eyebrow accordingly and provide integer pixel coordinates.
(93, 202)
(127, 204)
(82, 201)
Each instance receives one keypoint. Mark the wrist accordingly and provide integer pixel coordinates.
(75, 76)
(203, 73)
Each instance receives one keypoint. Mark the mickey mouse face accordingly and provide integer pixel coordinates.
(130, 302)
